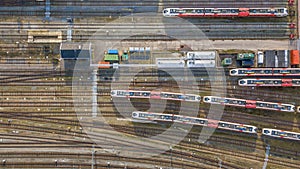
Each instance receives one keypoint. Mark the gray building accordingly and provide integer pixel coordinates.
(71, 50)
(276, 59)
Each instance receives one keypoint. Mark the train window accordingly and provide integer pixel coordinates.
(266, 131)
(189, 11)
(298, 136)
(208, 11)
(282, 134)
(274, 132)
(199, 11)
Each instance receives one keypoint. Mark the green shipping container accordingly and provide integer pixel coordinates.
(245, 56)
(226, 62)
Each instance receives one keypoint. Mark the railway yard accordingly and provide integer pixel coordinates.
(149, 84)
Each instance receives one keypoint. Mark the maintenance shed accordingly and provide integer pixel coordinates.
(71, 50)
(111, 58)
(276, 59)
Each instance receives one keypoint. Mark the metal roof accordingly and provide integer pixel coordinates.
(111, 57)
(278, 58)
(75, 46)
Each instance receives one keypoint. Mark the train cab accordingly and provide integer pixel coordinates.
(169, 12)
(296, 82)
(243, 82)
(207, 99)
(118, 93)
(281, 12)
(233, 72)
(266, 131)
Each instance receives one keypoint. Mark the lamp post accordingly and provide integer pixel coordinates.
(171, 157)
(93, 154)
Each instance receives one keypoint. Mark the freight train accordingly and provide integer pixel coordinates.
(265, 72)
(149, 116)
(269, 82)
(249, 103)
(225, 12)
(156, 95)
(281, 134)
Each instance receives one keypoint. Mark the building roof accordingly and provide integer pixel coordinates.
(108, 57)
(278, 58)
(75, 46)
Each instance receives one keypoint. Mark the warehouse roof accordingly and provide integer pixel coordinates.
(75, 46)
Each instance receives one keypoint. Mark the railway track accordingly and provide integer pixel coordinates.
(130, 130)
(234, 29)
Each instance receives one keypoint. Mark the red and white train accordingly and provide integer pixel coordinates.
(156, 95)
(249, 103)
(265, 72)
(281, 134)
(149, 116)
(225, 12)
(269, 82)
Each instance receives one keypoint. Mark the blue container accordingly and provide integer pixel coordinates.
(113, 51)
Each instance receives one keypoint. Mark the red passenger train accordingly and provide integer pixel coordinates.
(269, 82)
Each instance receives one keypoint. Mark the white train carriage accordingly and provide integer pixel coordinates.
(180, 97)
(265, 72)
(275, 106)
(131, 94)
(201, 63)
(269, 82)
(268, 12)
(149, 116)
(281, 134)
(190, 120)
(224, 101)
(152, 116)
(237, 127)
(251, 72)
(286, 71)
(225, 12)
(260, 82)
(201, 55)
(156, 95)
(249, 103)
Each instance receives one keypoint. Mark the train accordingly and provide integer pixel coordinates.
(150, 116)
(161, 117)
(281, 134)
(156, 95)
(269, 82)
(265, 72)
(249, 103)
(225, 12)
(298, 109)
